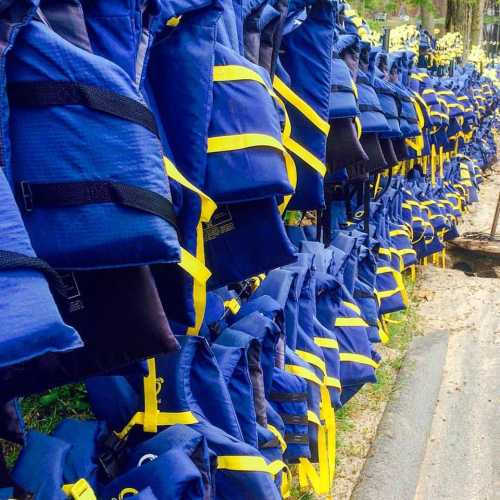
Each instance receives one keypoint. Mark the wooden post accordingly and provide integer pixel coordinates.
(495, 219)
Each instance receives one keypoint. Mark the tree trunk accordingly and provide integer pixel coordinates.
(459, 14)
(427, 17)
(476, 33)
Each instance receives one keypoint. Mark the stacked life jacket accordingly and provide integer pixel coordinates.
(91, 193)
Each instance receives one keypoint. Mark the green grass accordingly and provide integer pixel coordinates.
(44, 412)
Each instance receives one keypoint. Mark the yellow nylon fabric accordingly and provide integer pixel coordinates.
(312, 359)
(81, 490)
(278, 436)
(224, 143)
(290, 96)
(357, 358)
(327, 343)
(346, 322)
(151, 417)
(242, 463)
(303, 372)
(352, 306)
(195, 265)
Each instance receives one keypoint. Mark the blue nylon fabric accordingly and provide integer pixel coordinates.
(373, 121)
(187, 134)
(343, 102)
(45, 455)
(288, 383)
(81, 237)
(32, 325)
(183, 481)
(233, 362)
(306, 62)
(196, 384)
(184, 439)
(350, 339)
(234, 249)
(81, 460)
(240, 108)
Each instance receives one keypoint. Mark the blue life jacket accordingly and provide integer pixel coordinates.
(31, 323)
(303, 81)
(115, 188)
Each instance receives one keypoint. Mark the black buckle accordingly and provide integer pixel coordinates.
(108, 460)
(27, 196)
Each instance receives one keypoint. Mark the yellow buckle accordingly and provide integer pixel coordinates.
(81, 490)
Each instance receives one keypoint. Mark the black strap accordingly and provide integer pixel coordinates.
(29, 94)
(296, 438)
(293, 419)
(13, 260)
(285, 397)
(369, 107)
(341, 88)
(68, 194)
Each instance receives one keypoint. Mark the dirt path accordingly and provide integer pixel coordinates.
(460, 457)
(462, 460)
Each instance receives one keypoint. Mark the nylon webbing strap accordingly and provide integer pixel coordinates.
(54, 93)
(67, 194)
(369, 107)
(285, 397)
(10, 261)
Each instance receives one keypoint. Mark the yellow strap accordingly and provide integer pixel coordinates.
(208, 206)
(291, 171)
(127, 492)
(359, 128)
(313, 418)
(305, 155)
(195, 265)
(224, 143)
(357, 358)
(303, 372)
(278, 436)
(326, 343)
(398, 232)
(286, 479)
(151, 417)
(81, 490)
(342, 322)
(332, 382)
(312, 359)
(290, 96)
(382, 331)
(384, 269)
(352, 306)
(173, 21)
(242, 463)
(233, 305)
(321, 480)
(234, 72)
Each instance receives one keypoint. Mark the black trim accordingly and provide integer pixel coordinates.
(293, 419)
(296, 438)
(341, 88)
(56, 93)
(285, 397)
(68, 194)
(370, 107)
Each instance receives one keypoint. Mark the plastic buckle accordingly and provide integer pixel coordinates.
(81, 490)
(108, 460)
(27, 196)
